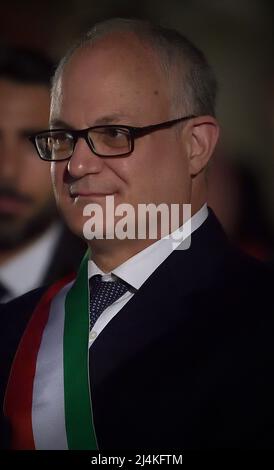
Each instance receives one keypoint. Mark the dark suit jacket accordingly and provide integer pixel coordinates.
(189, 360)
(65, 258)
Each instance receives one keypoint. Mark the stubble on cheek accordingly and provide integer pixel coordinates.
(57, 170)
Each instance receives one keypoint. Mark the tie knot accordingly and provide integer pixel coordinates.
(103, 294)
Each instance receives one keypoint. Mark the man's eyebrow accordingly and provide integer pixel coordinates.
(26, 132)
(110, 119)
(59, 124)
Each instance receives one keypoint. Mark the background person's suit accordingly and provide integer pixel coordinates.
(65, 258)
(45, 264)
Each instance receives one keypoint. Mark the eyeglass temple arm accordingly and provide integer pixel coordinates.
(140, 131)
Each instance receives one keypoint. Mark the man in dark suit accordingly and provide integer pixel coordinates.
(178, 325)
(32, 236)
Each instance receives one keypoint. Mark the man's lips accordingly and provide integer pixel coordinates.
(90, 194)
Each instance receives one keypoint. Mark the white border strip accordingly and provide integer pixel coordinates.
(48, 410)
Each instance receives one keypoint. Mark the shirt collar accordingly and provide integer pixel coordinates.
(137, 269)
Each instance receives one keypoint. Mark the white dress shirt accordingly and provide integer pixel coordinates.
(137, 269)
(26, 270)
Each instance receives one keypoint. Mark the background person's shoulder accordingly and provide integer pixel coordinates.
(21, 306)
(14, 317)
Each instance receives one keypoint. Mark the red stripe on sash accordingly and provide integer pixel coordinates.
(18, 399)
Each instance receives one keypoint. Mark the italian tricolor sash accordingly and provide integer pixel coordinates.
(48, 396)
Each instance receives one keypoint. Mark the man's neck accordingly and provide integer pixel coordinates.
(108, 254)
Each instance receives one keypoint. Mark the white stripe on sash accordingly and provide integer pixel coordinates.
(48, 412)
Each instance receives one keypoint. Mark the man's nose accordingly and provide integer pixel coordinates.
(84, 161)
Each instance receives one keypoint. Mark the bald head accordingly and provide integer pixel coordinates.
(129, 81)
(188, 76)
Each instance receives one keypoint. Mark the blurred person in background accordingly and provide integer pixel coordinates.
(35, 248)
(235, 196)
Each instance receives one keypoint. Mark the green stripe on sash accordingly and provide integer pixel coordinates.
(78, 411)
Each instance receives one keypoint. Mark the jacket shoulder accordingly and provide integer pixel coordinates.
(16, 313)
(14, 318)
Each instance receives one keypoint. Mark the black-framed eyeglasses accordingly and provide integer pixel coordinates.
(112, 140)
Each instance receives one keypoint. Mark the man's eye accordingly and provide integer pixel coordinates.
(110, 137)
(59, 142)
(114, 133)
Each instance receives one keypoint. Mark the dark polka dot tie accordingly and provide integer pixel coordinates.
(103, 294)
